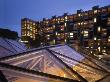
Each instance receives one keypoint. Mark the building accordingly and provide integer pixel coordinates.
(87, 29)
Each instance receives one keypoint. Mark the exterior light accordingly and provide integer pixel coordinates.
(24, 41)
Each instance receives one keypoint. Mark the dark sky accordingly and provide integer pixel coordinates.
(11, 11)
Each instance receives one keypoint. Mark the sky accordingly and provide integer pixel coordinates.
(11, 11)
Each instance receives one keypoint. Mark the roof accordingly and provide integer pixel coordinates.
(10, 47)
(59, 63)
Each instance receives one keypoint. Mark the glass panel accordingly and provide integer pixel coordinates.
(6, 45)
(69, 52)
(41, 61)
(91, 74)
(17, 45)
(4, 52)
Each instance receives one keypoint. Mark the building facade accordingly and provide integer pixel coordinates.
(89, 29)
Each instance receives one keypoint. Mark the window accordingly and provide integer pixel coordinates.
(81, 23)
(79, 15)
(99, 29)
(95, 20)
(104, 10)
(95, 11)
(66, 18)
(71, 35)
(108, 19)
(86, 33)
(56, 33)
(65, 24)
(85, 23)
(109, 39)
(109, 10)
(78, 23)
(99, 49)
(103, 51)
(95, 38)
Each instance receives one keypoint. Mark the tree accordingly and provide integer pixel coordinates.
(6, 33)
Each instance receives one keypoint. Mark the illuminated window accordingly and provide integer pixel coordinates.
(91, 52)
(95, 11)
(85, 23)
(81, 23)
(103, 50)
(56, 33)
(34, 23)
(62, 29)
(109, 39)
(95, 38)
(65, 24)
(66, 18)
(78, 23)
(48, 38)
(99, 29)
(86, 33)
(54, 41)
(79, 15)
(109, 9)
(99, 49)
(109, 19)
(28, 33)
(98, 43)
(95, 20)
(31, 36)
(53, 26)
(71, 34)
(48, 35)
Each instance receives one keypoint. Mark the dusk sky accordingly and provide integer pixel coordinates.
(11, 11)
